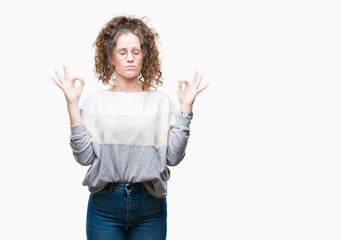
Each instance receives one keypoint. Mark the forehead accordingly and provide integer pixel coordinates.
(128, 40)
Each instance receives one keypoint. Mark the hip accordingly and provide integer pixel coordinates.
(127, 201)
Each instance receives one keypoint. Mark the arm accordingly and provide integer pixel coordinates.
(81, 145)
(179, 135)
(178, 138)
(79, 139)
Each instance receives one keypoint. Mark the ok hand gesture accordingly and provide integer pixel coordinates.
(190, 92)
(72, 93)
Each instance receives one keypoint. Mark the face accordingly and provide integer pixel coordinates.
(128, 56)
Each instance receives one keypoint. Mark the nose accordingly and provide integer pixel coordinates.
(130, 56)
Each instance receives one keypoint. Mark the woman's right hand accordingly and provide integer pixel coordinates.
(72, 93)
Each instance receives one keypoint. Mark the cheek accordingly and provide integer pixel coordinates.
(117, 64)
(140, 63)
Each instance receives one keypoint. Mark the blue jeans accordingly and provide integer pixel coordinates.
(126, 211)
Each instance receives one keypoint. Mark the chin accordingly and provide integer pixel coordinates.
(131, 74)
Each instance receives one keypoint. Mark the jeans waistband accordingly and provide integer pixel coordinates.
(127, 186)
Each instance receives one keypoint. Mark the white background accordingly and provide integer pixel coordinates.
(263, 160)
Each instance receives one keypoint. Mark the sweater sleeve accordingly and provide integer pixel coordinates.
(178, 138)
(81, 145)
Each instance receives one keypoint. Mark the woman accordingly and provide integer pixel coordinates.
(128, 134)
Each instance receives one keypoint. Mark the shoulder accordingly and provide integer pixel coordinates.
(96, 95)
(93, 99)
(164, 101)
(157, 94)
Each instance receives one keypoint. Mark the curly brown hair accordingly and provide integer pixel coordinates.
(150, 75)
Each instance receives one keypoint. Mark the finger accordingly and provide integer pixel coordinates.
(66, 74)
(57, 82)
(186, 83)
(59, 76)
(74, 79)
(179, 86)
(199, 81)
(82, 81)
(195, 77)
(182, 82)
(202, 88)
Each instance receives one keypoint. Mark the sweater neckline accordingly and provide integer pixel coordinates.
(120, 92)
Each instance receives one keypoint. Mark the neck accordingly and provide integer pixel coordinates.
(127, 85)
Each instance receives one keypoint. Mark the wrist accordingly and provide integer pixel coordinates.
(72, 106)
(72, 103)
(186, 109)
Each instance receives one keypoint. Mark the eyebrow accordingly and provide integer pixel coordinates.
(127, 49)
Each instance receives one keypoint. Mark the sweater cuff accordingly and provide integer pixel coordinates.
(76, 130)
(184, 120)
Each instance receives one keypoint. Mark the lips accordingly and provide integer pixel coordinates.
(130, 66)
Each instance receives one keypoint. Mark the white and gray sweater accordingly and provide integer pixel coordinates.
(130, 137)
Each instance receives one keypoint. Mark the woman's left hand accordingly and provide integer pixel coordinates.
(190, 92)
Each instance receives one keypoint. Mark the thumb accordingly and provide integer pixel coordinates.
(179, 86)
(82, 81)
(74, 79)
(180, 82)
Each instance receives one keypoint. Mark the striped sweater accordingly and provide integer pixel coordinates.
(129, 137)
